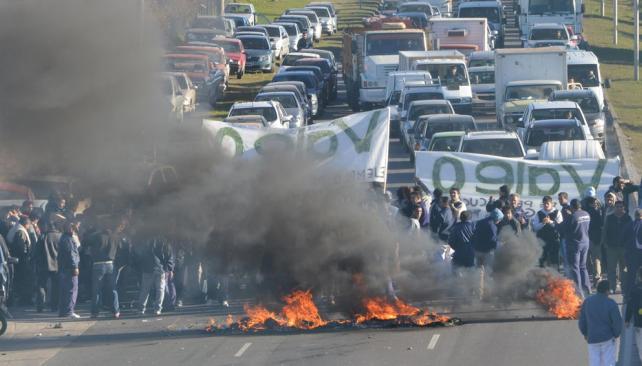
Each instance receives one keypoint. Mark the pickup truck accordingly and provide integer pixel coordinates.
(245, 10)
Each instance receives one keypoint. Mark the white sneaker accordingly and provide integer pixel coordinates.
(158, 312)
(226, 304)
(74, 316)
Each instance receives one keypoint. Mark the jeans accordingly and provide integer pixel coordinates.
(43, 277)
(615, 260)
(170, 292)
(103, 279)
(68, 294)
(595, 253)
(485, 262)
(576, 258)
(157, 281)
(637, 332)
(602, 354)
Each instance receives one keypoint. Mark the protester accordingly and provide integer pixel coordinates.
(622, 188)
(20, 247)
(156, 260)
(103, 249)
(444, 219)
(634, 311)
(460, 240)
(509, 222)
(545, 224)
(485, 241)
(415, 226)
(503, 200)
(634, 249)
(617, 232)
(68, 270)
(518, 210)
(304, 42)
(577, 247)
(593, 207)
(456, 204)
(601, 324)
(45, 259)
(565, 210)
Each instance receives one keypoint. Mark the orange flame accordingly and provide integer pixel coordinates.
(560, 298)
(301, 312)
(256, 317)
(378, 308)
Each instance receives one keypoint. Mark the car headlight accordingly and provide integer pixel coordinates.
(598, 123)
(264, 58)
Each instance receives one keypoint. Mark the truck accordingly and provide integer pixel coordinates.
(524, 76)
(567, 12)
(247, 11)
(396, 82)
(493, 11)
(368, 56)
(464, 34)
(584, 68)
(448, 68)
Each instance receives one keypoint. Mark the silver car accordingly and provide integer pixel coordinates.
(289, 102)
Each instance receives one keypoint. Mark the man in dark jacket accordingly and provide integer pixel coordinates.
(156, 259)
(617, 231)
(509, 223)
(593, 207)
(634, 249)
(601, 324)
(103, 249)
(443, 220)
(21, 247)
(485, 241)
(460, 240)
(634, 311)
(304, 42)
(68, 264)
(45, 259)
(518, 211)
(546, 225)
(577, 246)
(622, 188)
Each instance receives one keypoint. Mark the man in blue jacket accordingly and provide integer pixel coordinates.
(68, 271)
(460, 240)
(601, 324)
(485, 241)
(577, 240)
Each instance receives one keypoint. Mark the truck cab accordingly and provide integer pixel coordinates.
(453, 76)
(245, 10)
(567, 12)
(584, 68)
(396, 82)
(493, 11)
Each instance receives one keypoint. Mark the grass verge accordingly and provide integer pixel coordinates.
(617, 64)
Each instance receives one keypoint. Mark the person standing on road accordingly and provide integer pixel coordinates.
(509, 222)
(68, 264)
(545, 224)
(577, 247)
(304, 42)
(103, 248)
(593, 207)
(617, 230)
(443, 221)
(634, 250)
(460, 240)
(485, 241)
(601, 324)
(565, 209)
(622, 188)
(456, 204)
(156, 260)
(45, 259)
(634, 310)
(502, 201)
(518, 211)
(21, 248)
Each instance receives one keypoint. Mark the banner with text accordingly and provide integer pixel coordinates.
(480, 176)
(356, 144)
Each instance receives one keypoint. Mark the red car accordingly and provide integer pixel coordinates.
(235, 52)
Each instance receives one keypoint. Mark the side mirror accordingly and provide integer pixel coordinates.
(574, 37)
(607, 83)
(532, 154)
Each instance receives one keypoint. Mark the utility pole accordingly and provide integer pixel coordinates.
(220, 7)
(141, 29)
(614, 21)
(636, 41)
(602, 8)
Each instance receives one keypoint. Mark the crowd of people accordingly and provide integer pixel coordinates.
(580, 236)
(53, 258)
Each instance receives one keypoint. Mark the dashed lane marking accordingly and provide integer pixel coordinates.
(243, 349)
(433, 341)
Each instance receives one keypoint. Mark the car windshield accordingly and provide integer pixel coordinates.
(482, 77)
(239, 22)
(208, 22)
(588, 104)
(199, 37)
(229, 46)
(255, 43)
(482, 62)
(492, 14)
(433, 128)
(268, 112)
(558, 113)
(548, 34)
(508, 148)
(290, 60)
(420, 8)
(186, 65)
(321, 12)
(274, 32)
(411, 97)
(528, 92)
(286, 100)
(550, 6)
(445, 143)
(182, 82)
(390, 5)
(422, 110)
(238, 8)
(584, 74)
(392, 43)
(291, 29)
(538, 135)
(452, 75)
(309, 80)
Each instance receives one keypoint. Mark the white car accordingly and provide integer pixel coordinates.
(294, 34)
(420, 108)
(289, 102)
(272, 111)
(188, 90)
(497, 143)
(176, 101)
(327, 21)
(539, 132)
(247, 11)
(313, 18)
(549, 34)
(279, 40)
(561, 109)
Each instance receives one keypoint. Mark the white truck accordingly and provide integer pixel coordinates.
(524, 76)
(568, 12)
(245, 10)
(466, 35)
(397, 81)
(369, 56)
(447, 66)
(584, 69)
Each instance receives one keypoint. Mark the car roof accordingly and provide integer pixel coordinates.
(534, 82)
(554, 104)
(186, 55)
(411, 14)
(488, 135)
(439, 118)
(479, 4)
(248, 118)
(257, 36)
(554, 123)
(575, 57)
(262, 104)
(429, 102)
(576, 93)
(482, 55)
(306, 54)
(481, 68)
(416, 3)
(276, 92)
(549, 26)
(449, 134)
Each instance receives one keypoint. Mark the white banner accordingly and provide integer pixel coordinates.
(356, 144)
(480, 176)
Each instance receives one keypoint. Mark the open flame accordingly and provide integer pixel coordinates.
(560, 298)
(378, 308)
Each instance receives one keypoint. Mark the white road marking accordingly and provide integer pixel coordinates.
(243, 349)
(433, 341)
